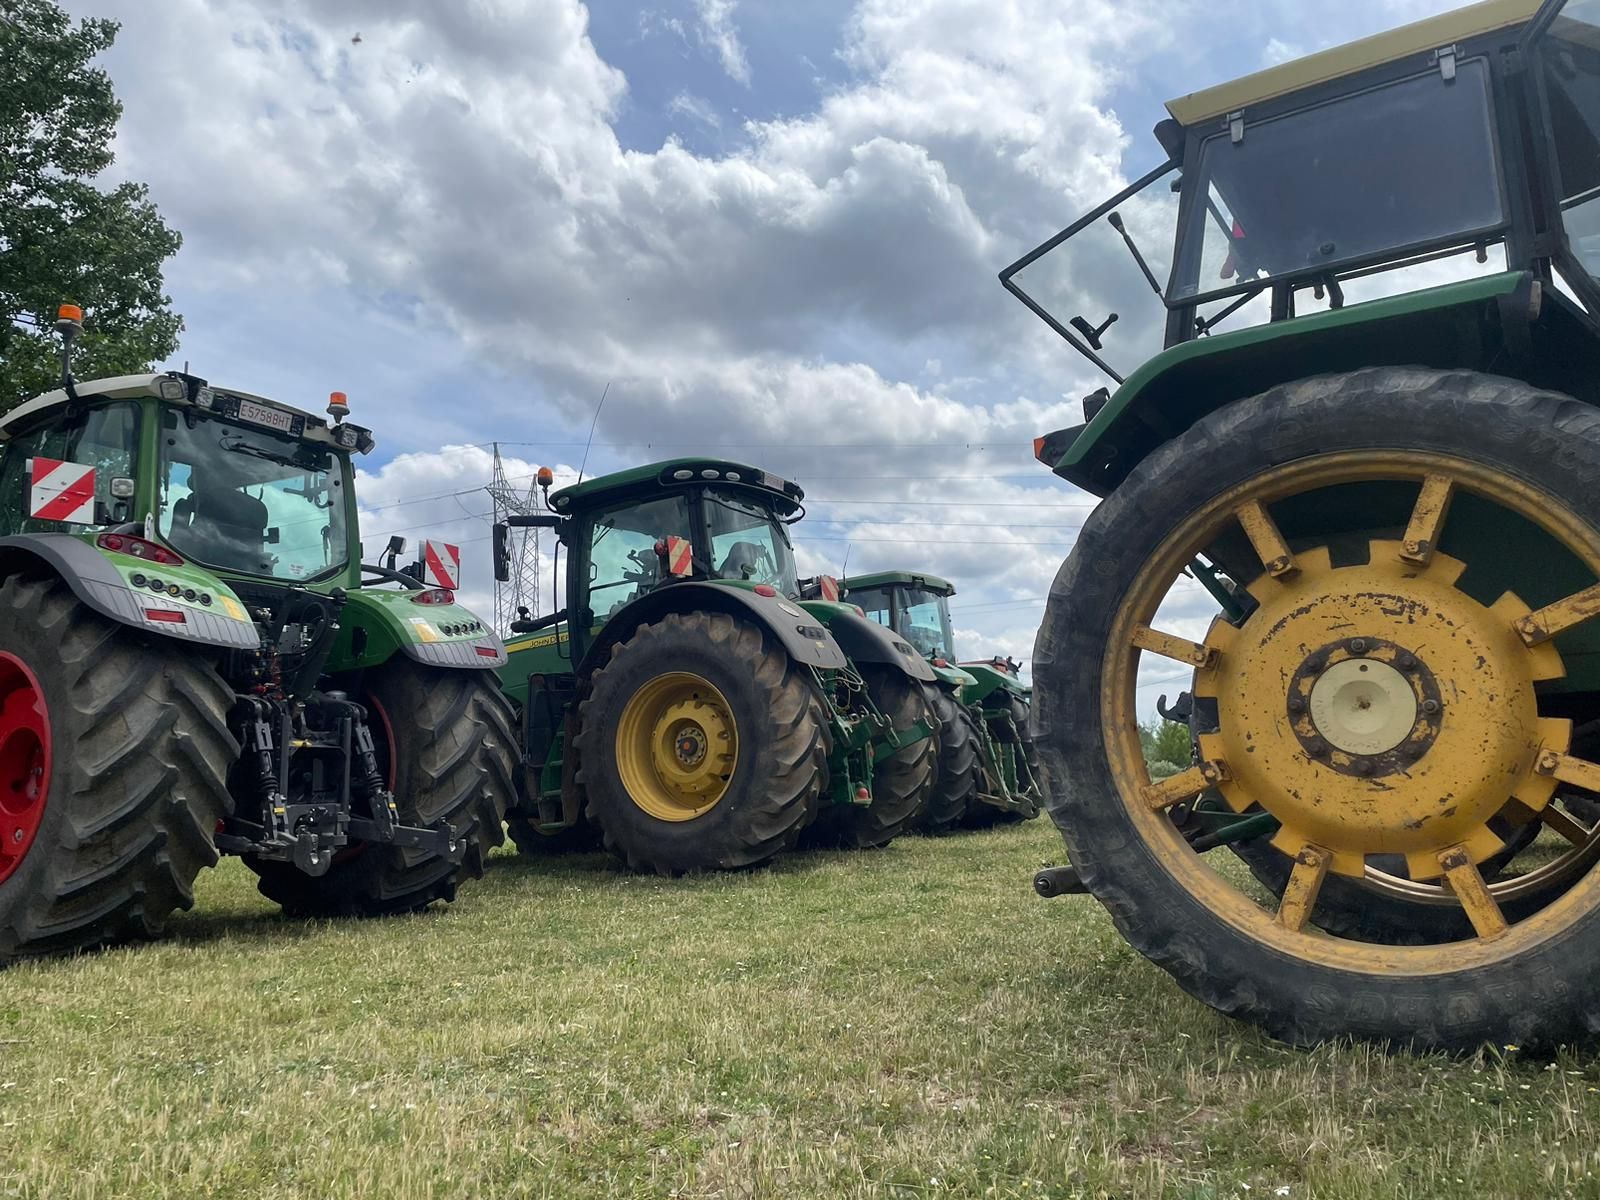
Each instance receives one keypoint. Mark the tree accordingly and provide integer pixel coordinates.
(1166, 745)
(62, 238)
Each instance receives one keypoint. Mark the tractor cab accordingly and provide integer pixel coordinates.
(1441, 180)
(914, 605)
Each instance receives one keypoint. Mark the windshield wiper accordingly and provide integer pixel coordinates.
(240, 446)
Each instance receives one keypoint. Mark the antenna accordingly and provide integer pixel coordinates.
(844, 570)
(592, 424)
(522, 589)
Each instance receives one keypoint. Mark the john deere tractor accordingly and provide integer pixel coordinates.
(1367, 534)
(192, 663)
(986, 759)
(685, 705)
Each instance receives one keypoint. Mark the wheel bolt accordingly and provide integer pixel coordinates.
(1316, 748)
(1430, 706)
(1358, 645)
(16, 836)
(1314, 663)
(1362, 767)
(1406, 662)
(1296, 704)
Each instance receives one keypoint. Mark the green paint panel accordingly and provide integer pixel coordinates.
(377, 622)
(920, 579)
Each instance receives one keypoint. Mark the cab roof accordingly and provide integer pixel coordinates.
(1326, 65)
(677, 474)
(919, 579)
(131, 387)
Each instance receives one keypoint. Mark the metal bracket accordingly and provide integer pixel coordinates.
(1236, 127)
(1445, 56)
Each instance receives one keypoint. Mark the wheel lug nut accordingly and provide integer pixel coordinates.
(1406, 663)
(1430, 706)
(1314, 663)
(1316, 748)
(1358, 645)
(1362, 767)
(1296, 704)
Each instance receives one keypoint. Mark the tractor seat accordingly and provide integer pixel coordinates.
(222, 527)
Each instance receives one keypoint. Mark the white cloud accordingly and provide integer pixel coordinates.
(717, 31)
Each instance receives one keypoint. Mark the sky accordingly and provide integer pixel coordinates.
(764, 231)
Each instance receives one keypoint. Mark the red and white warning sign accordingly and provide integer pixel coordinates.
(61, 491)
(441, 564)
(680, 556)
(828, 586)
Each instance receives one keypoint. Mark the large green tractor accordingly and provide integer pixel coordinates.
(986, 761)
(685, 706)
(192, 663)
(1367, 533)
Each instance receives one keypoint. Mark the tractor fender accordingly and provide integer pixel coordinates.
(377, 624)
(805, 639)
(864, 640)
(957, 679)
(987, 680)
(100, 580)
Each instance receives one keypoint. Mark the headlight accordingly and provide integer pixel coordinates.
(346, 436)
(172, 389)
(204, 398)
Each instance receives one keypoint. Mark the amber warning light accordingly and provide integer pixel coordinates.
(69, 312)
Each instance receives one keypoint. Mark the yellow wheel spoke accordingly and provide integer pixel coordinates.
(1305, 881)
(1564, 824)
(1185, 785)
(1169, 646)
(1263, 533)
(1427, 518)
(1468, 885)
(1576, 771)
(1552, 619)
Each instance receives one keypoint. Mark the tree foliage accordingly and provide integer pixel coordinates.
(1165, 742)
(62, 237)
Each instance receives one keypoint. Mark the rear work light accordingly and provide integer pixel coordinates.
(138, 547)
(434, 596)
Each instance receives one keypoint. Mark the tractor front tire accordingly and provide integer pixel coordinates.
(447, 751)
(960, 766)
(702, 746)
(901, 781)
(114, 757)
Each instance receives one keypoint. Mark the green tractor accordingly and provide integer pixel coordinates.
(192, 663)
(986, 761)
(685, 706)
(1366, 530)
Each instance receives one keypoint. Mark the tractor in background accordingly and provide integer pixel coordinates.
(1365, 528)
(685, 707)
(194, 662)
(986, 759)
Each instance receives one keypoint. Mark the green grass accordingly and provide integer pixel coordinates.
(908, 1023)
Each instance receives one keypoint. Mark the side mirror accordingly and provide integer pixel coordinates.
(534, 520)
(502, 552)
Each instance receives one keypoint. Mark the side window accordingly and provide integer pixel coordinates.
(874, 601)
(105, 438)
(623, 564)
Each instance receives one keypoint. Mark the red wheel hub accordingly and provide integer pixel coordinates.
(24, 760)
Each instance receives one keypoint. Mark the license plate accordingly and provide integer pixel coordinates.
(260, 414)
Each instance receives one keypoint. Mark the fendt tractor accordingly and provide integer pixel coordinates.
(685, 705)
(986, 761)
(1389, 508)
(192, 663)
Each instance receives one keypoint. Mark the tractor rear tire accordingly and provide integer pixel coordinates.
(960, 766)
(447, 750)
(129, 737)
(678, 701)
(901, 782)
(1501, 440)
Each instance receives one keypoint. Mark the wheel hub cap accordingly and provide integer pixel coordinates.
(677, 745)
(24, 761)
(1377, 709)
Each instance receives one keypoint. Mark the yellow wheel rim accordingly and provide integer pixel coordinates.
(1373, 708)
(677, 746)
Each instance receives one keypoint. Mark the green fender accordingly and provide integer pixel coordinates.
(192, 606)
(987, 681)
(864, 640)
(377, 624)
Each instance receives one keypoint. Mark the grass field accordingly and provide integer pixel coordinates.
(908, 1023)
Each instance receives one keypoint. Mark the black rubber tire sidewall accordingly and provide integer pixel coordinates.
(960, 766)
(1545, 439)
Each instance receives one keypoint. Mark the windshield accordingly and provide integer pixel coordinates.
(103, 440)
(748, 542)
(244, 498)
(1403, 165)
(925, 622)
(623, 563)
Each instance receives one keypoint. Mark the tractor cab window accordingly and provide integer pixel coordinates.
(749, 542)
(92, 487)
(242, 498)
(1399, 167)
(1569, 57)
(623, 563)
(925, 622)
(872, 601)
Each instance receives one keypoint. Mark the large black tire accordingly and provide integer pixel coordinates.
(1013, 732)
(959, 769)
(139, 756)
(446, 747)
(900, 781)
(1550, 443)
(782, 737)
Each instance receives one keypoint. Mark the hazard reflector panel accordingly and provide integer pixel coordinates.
(829, 587)
(441, 564)
(680, 556)
(61, 491)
